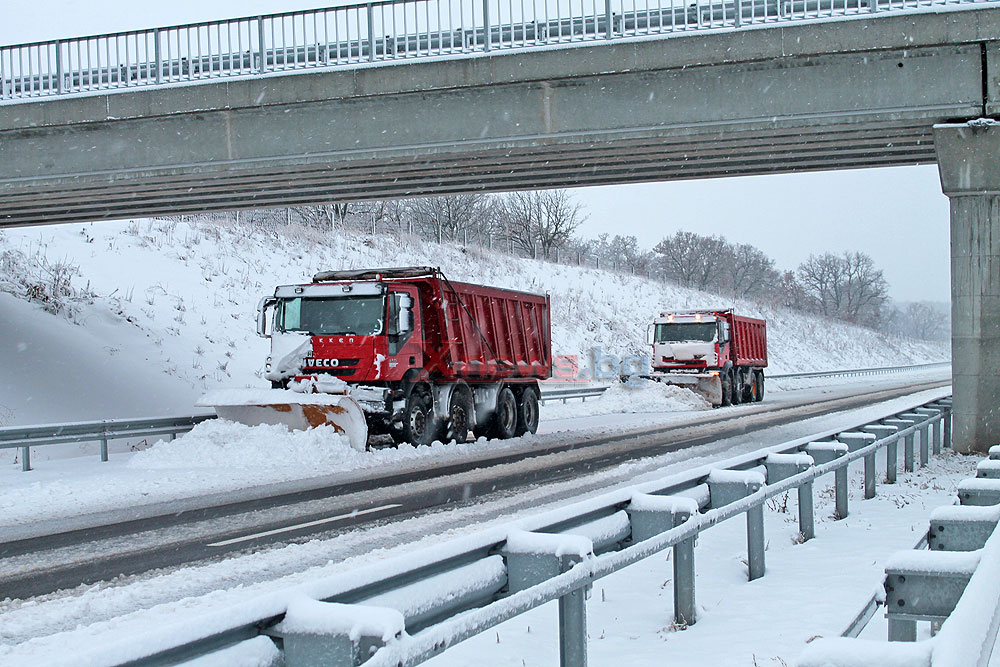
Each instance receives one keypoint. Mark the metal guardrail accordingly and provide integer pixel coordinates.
(378, 32)
(883, 370)
(26, 437)
(952, 586)
(405, 611)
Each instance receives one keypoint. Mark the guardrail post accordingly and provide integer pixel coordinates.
(902, 424)
(925, 452)
(650, 515)
(783, 466)
(979, 491)
(933, 429)
(947, 428)
(729, 486)
(331, 634)
(104, 443)
(25, 459)
(856, 441)
(824, 452)
(534, 557)
(924, 586)
(961, 527)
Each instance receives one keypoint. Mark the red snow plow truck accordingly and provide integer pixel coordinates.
(399, 351)
(717, 353)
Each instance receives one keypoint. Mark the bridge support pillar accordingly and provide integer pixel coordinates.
(969, 162)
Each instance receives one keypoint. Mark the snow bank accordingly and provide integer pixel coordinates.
(643, 396)
(222, 444)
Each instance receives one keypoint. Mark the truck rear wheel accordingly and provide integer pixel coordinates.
(503, 423)
(459, 414)
(527, 412)
(759, 396)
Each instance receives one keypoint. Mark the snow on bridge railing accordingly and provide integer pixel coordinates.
(954, 585)
(403, 611)
(379, 32)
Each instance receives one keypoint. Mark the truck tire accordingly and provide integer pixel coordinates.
(503, 422)
(527, 412)
(420, 426)
(760, 387)
(737, 391)
(727, 388)
(460, 411)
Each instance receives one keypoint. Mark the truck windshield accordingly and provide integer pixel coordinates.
(683, 332)
(342, 315)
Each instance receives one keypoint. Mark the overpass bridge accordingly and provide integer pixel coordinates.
(406, 98)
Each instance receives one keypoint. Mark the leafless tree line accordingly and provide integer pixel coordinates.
(846, 286)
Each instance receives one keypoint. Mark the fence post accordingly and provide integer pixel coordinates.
(60, 88)
(156, 55)
(261, 53)
(610, 28)
(25, 459)
(371, 34)
(486, 25)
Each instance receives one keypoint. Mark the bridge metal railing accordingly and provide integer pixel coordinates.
(26, 437)
(380, 32)
(405, 611)
(952, 586)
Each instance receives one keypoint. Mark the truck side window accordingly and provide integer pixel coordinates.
(396, 339)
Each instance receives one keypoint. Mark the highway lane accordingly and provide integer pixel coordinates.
(45, 564)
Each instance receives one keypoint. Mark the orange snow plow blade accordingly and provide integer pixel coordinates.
(297, 411)
(707, 384)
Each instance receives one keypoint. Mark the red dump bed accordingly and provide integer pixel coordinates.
(749, 341)
(489, 332)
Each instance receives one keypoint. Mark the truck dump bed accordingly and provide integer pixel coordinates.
(749, 341)
(495, 333)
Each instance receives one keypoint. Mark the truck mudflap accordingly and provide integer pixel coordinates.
(295, 410)
(708, 385)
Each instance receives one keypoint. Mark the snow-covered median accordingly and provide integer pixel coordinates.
(637, 396)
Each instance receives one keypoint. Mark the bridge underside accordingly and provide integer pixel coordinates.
(650, 158)
(846, 94)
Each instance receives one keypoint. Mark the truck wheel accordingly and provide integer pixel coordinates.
(419, 423)
(727, 389)
(527, 412)
(737, 391)
(760, 387)
(459, 415)
(504, 420)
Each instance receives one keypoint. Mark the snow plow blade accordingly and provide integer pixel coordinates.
(707, 384)
(295, 410)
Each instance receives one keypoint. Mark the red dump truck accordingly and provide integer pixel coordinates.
(715, 352)
(421, 357)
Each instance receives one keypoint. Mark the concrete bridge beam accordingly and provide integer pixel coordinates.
(969, 162)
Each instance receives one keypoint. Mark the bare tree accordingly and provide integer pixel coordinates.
(538, 221)
(752, 272)
(693, 260)
(847, 286)
(446, 218)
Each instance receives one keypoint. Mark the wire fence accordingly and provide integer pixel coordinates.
(379, 32)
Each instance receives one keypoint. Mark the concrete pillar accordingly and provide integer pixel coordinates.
(969, 163)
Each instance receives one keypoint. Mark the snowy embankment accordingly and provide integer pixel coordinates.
(168, 311)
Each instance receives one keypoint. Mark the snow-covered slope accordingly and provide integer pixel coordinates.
(170, 312)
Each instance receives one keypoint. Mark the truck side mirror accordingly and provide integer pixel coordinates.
(723, 332)
(649, 334)
(405, 313)
(265, 304)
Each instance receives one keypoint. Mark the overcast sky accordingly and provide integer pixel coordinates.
(898, 216)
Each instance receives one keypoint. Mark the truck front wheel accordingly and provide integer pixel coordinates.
(727, 388)
(527, 413)
(419, 423)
